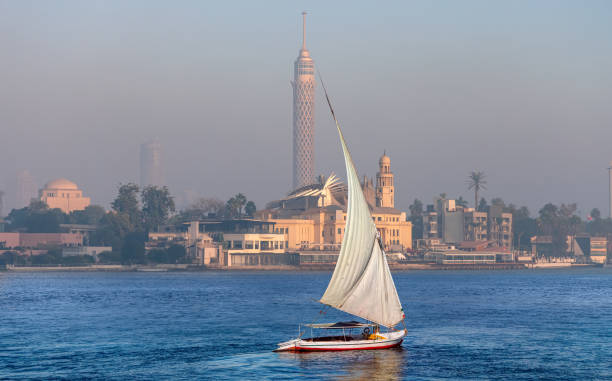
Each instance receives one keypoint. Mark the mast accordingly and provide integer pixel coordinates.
(361, 284)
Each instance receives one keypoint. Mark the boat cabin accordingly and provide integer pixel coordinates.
(345, 331)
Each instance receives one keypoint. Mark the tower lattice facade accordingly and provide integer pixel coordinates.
(303, 116)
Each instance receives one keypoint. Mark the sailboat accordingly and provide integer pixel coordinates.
(361, 284)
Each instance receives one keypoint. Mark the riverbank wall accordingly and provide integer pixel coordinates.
(310, 267)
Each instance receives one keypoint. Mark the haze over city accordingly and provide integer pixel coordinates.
(519, 90)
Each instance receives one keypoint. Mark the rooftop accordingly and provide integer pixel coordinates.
(61, 184)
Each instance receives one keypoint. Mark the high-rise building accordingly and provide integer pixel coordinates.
(26, 189)
(151, 170)
(384, 184)
(303, 116)
(610, 188)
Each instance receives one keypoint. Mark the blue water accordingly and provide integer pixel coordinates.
(513, 325)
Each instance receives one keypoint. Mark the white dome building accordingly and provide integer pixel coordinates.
(65, 195)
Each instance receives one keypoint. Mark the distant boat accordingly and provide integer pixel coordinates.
(361, 284)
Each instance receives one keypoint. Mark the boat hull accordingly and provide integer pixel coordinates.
(392, 339)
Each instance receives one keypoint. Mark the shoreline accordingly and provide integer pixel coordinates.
(322, 267)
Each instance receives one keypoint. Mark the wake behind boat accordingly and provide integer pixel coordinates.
(361, 284)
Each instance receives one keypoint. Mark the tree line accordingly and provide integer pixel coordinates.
(134, 213)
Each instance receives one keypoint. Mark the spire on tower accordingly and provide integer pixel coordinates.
(304, 30)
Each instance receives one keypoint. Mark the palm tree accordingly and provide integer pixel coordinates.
(476, 181)
(241, 201)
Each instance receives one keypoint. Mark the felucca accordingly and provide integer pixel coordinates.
(361, 284)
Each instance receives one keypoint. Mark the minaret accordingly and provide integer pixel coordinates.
(303, 116)
(384, 183)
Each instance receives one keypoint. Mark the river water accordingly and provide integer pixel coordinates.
(510, 325)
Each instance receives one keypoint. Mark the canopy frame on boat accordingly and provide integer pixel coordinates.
(341, 325)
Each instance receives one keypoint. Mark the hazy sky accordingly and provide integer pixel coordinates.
(521, 90)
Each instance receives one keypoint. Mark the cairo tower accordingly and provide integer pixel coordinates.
(303, 116)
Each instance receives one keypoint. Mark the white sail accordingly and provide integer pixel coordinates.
(361, 283)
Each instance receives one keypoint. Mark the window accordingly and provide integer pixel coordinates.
(247, 244)
(339, 230)
(238, 244)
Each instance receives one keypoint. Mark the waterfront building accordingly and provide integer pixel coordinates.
(199, 246)
(444, 219)
(298, 233)
(430, 223)
(457, 257)
(34, 240)
(452, 221)
(541, 245)
(151, 168)
(470, 252)
(322, 227)
(454, 224)
(250, 242)
(84, 230)
(93, 251)
(9, 240)
(27, 190)
(599, 249)
(65, 195)
(313, 217)
(475, 225)
(303, 115)
(500, 226)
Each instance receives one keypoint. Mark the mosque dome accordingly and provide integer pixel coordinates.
(61, 184)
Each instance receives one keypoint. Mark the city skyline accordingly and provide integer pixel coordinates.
(511, 90)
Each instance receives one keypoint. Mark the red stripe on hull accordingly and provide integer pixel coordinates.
(311, 349)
